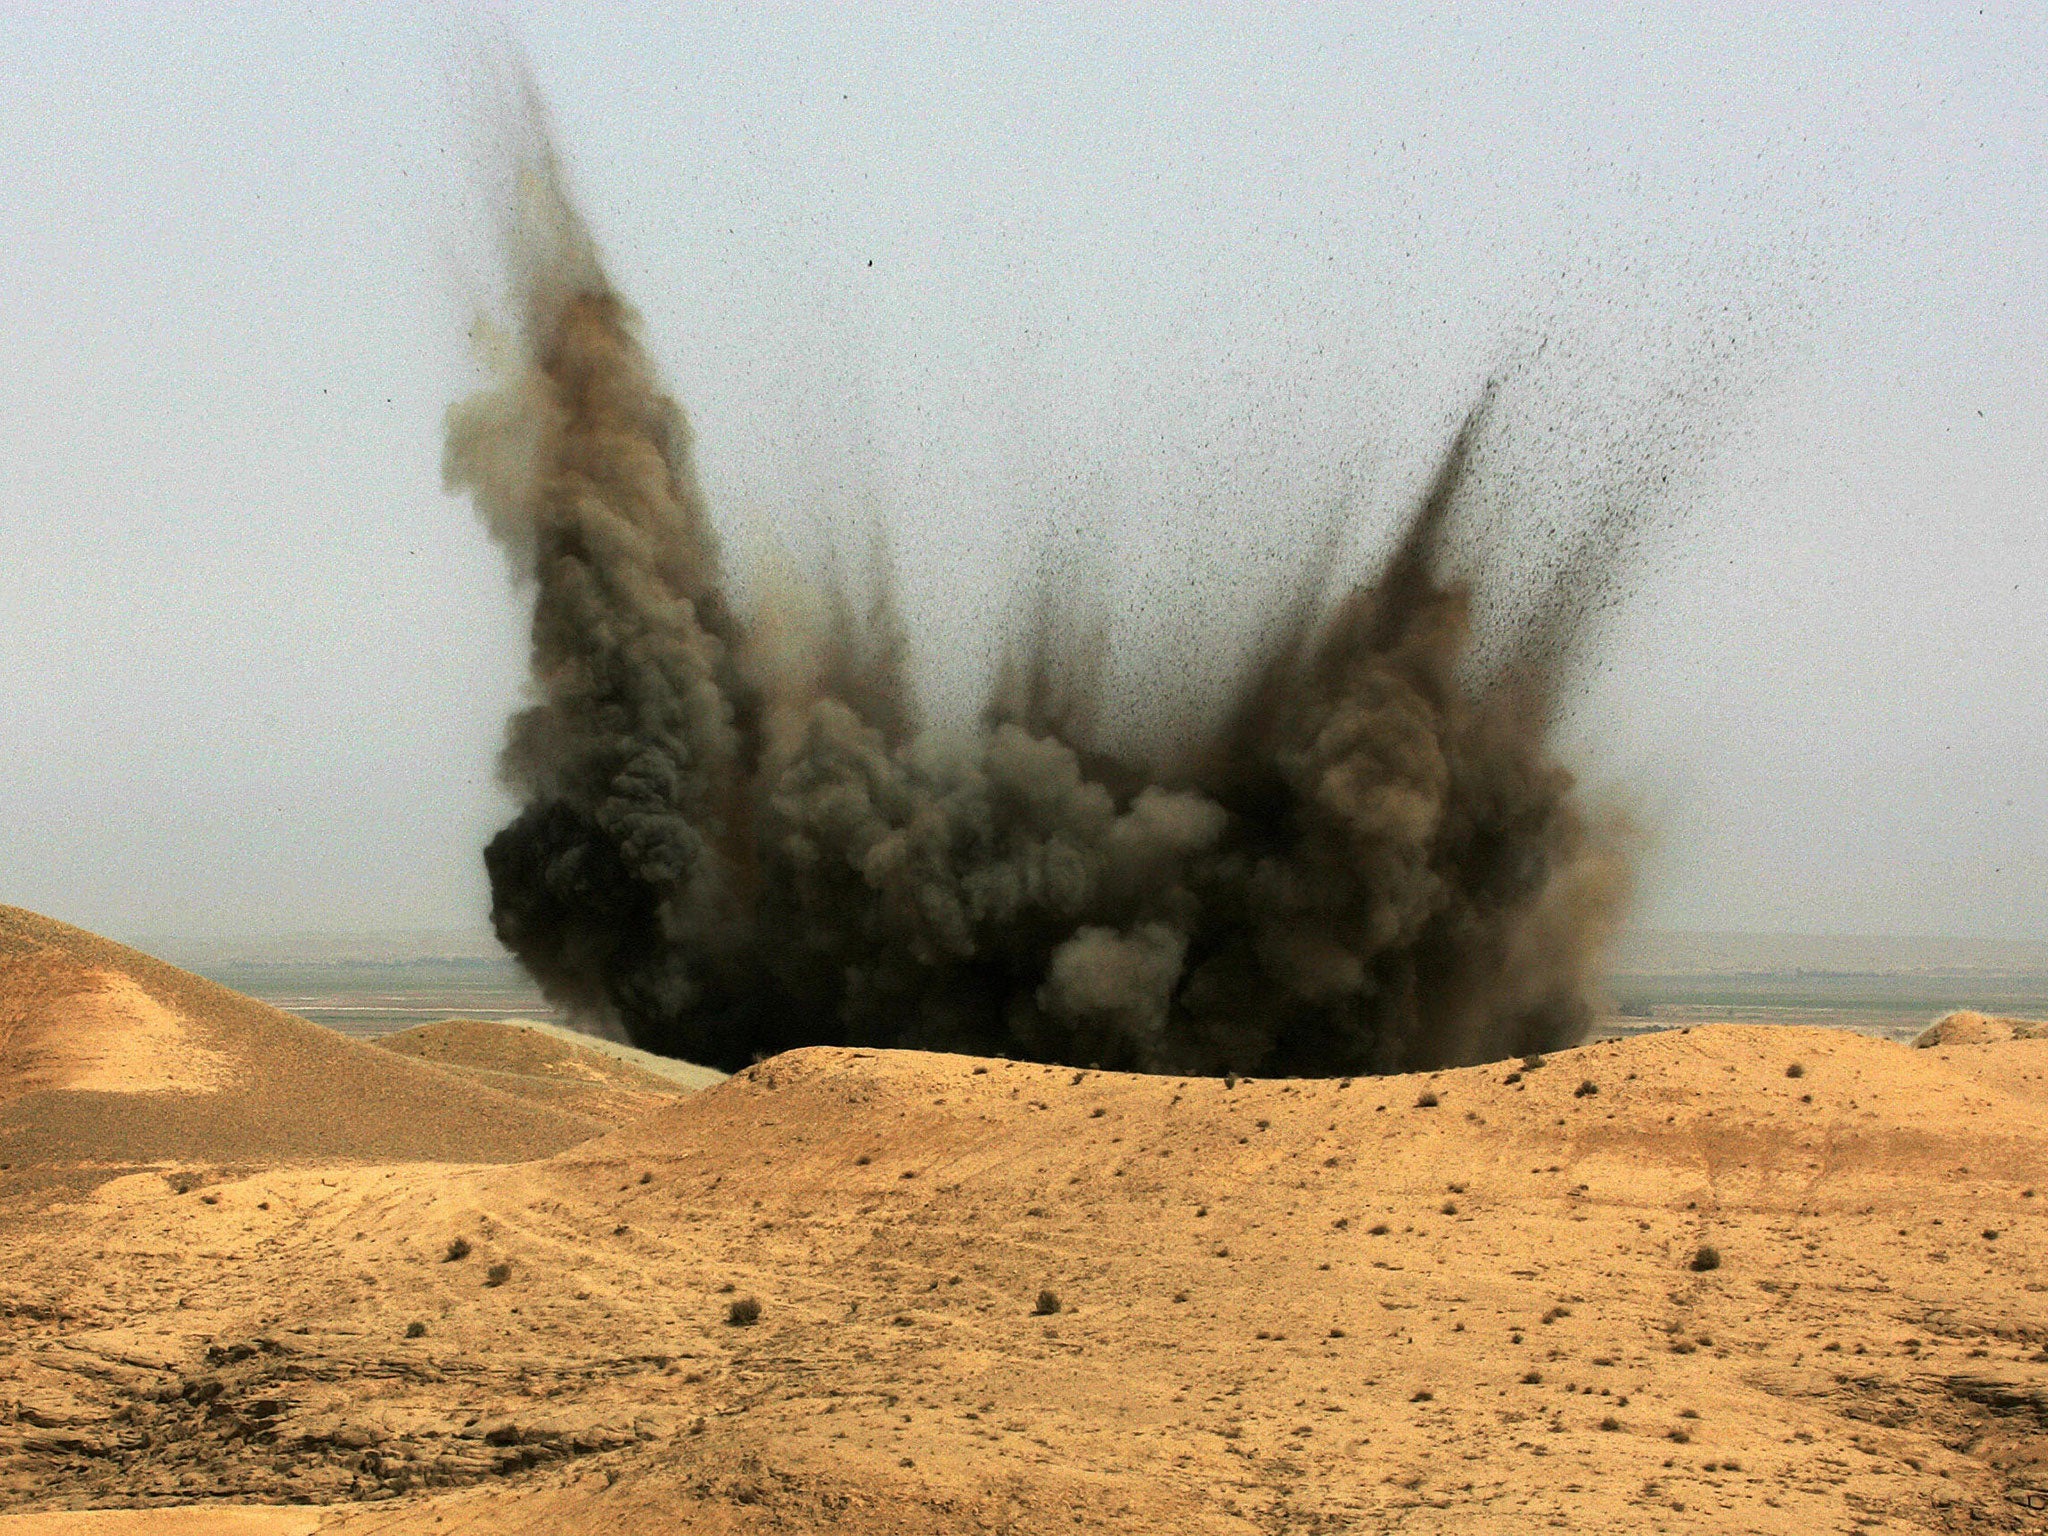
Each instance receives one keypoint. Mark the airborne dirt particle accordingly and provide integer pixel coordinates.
(736, 837)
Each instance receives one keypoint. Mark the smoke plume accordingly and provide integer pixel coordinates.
(735, 838)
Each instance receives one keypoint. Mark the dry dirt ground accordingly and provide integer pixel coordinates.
(1460, 1302)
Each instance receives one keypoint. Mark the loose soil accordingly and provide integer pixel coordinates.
(1282, 1306)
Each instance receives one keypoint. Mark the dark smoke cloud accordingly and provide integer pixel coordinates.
(736, 838)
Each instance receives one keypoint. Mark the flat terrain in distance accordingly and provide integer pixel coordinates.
(1890, 987)
(367, 986)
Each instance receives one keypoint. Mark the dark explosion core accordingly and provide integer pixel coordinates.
(736, 838)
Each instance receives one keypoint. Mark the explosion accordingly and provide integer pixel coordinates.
(736, 837)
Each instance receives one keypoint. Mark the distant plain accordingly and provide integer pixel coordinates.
(367, 986)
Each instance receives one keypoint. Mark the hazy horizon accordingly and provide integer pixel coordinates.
(1637, 951)
(1183, 276)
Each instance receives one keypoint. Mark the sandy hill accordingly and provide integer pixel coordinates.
(1663, 1284)
(1966, 1026)
(597, 1078)
(112, 1060)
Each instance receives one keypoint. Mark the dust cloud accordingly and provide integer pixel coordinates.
(736, 837)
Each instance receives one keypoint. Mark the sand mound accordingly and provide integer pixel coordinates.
(551, 1066)
(1480, 1300)
(108, 1036)
(1968, 1027)
(111, 1060)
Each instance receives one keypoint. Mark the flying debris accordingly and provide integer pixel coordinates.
(735, 837)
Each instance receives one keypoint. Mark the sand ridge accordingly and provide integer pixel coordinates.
(112, 1060)
(1457, 1301)
(591, 1078)
(1966, 1026)
(106, 1036)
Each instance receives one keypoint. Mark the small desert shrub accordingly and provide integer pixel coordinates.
(458, 1248)
(498, 1273)
(1378, 1229)
(1708, 1257)
(1586, 1089)
(1795, 1070)
(1610, 1423)
(1423, 1396)
(744, 1312)
(415, 1330)
(1449, 1208)
(1048, 1303)
(1532, 1378)
(1426, 1101)
(1531, 1062)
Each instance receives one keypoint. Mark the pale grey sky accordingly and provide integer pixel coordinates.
(1186, 273)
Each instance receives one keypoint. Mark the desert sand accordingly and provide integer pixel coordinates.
(261, 1279)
